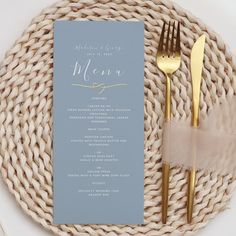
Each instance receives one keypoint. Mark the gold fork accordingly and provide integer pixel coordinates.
(168, 61)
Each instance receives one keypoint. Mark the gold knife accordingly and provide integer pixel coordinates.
(197, 56)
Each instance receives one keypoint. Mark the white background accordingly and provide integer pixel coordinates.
(16, 15)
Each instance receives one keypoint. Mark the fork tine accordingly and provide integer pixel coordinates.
(167, 40)
(177, 47)
(161, 42)
(172, 40)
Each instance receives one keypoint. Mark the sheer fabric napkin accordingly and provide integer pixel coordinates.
(211, 147)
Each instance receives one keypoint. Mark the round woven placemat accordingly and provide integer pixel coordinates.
(26, 116)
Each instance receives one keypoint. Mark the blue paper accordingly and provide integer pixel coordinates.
(98, 102)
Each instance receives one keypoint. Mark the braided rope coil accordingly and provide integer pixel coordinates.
(26, 116)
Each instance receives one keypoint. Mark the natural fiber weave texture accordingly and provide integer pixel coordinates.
(26, 116)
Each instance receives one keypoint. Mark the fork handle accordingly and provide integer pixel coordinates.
(165, 191)
(166, 166)
(168, 98)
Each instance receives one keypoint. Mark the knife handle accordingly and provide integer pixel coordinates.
(191, 193)
(192, 172)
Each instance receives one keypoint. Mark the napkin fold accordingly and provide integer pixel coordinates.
(211, 147)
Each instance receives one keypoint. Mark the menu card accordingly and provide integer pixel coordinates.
(98, 137)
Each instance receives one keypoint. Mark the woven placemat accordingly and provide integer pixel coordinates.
(26, 116)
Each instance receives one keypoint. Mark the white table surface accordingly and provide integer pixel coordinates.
(15, 16)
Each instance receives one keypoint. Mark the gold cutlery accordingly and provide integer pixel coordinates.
(197, 56)
(168, 61)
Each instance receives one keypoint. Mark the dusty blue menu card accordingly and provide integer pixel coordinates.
(98, 101)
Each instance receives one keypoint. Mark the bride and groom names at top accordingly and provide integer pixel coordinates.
(88, 70)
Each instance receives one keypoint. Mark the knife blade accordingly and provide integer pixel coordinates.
(197, 57)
